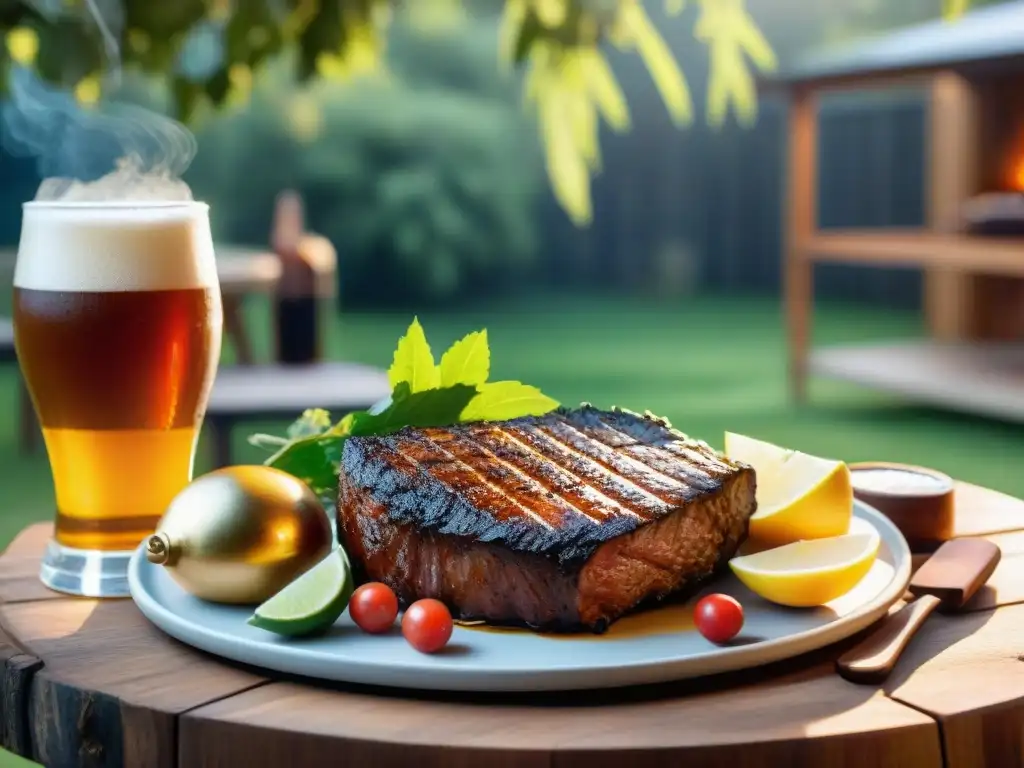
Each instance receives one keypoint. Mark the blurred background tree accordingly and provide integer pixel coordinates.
(403, 123)
(424, 179)
(208, 51)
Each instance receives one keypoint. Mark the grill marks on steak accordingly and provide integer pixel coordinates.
(560, 521)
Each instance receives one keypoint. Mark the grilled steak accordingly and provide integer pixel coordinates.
(560, 523)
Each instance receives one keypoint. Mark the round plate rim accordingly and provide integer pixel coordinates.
(440, 678)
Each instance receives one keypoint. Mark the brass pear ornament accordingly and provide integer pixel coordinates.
(241, 534)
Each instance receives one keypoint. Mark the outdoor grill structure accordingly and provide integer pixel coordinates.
(971, 250)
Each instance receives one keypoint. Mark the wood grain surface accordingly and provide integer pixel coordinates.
(93, 683)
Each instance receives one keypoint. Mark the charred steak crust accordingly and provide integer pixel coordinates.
(559, 522)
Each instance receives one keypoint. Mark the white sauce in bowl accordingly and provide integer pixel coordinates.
(903, 482)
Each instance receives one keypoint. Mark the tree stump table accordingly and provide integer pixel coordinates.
(93, 683)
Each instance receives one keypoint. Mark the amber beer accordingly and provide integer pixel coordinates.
(118, 321)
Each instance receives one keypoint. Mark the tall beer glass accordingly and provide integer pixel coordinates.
(117, 317)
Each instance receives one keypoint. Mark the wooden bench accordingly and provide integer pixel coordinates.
(243, 273)
(247, 393)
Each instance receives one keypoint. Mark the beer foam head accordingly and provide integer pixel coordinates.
(115, 246)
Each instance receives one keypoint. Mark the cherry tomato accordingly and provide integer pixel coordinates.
(718, 617)
(373, 607)
(427, 625)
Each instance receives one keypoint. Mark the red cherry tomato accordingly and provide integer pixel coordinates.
(427, 625)
(718, 617)
(373, 607)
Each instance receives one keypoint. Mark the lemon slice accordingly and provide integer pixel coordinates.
(799, 496)
(809, 573)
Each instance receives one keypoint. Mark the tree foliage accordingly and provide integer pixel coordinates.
(424, 180)
(209, 50)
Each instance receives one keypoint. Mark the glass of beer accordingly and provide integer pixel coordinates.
(118, 321)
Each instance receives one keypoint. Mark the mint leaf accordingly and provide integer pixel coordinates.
(431, 408)
(312, 456)
(467, 361)
(344, 427)
(501, 400)
(413, 362)
(313, 421)
(315, 461)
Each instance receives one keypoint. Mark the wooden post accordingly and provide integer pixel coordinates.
(952, 174)
(802, 196)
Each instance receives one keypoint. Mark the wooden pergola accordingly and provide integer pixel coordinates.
(973, 72)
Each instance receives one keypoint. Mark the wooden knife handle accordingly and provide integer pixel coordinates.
(875, 657)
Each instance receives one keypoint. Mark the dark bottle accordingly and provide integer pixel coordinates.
(296, 308)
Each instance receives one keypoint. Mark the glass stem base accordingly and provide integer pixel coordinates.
(85, 572)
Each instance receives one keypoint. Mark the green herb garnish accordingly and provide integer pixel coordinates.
(423, 394)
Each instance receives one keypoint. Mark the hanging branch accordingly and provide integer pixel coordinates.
(559, 44)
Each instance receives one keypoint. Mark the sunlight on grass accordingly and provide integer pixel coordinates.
(7, 760)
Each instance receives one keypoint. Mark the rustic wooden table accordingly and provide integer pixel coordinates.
(93, 683)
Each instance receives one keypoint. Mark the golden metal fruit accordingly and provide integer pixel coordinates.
(241, 534)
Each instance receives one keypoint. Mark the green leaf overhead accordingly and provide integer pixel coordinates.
(345, 39)
(502, 400)
(413, 362)
(467, 361)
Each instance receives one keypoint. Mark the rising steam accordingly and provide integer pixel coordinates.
(113, 152)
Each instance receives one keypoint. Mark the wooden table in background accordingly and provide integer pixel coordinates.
(246, 272)
(93, 683)
(243, 273)
(970, 75)
(246, 393)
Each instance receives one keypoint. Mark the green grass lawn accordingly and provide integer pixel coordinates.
(709, 365)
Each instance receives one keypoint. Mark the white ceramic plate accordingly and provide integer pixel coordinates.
(655, 646)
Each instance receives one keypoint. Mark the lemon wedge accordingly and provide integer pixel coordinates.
(799, 496)
(808, 573)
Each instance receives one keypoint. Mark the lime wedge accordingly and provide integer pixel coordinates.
(311, 603)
